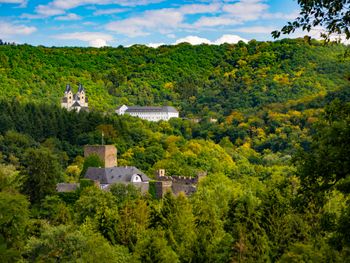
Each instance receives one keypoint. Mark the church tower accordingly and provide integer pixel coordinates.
(67, 99)
(81, 96)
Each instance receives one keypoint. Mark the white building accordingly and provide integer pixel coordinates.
(76, 101)
(149, 113)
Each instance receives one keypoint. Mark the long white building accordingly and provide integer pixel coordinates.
(152, 113)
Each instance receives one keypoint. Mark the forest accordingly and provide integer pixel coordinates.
(277, 154)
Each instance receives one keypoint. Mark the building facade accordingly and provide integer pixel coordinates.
(77, 101)
(150, 113)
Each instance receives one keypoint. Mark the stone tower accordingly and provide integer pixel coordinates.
(107, 153)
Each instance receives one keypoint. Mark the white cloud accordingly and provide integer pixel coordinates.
(159, 20)
(95, 39)
(246, 9)
(195, 40)
(255, 29)
(215, 21)
(68, 17)
(171, 35)
(164, 20)
(230, 39)
(155, 45)
(65, 4)
(240, 12)
(47, 10)
(22, 3)
(9, 29)
(110, 11)
(199, 8)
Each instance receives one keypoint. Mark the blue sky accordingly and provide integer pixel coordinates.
(151, 22)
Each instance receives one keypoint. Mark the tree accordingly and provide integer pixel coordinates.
(327, 164)
(14, 217)
(153, 248)
(67, 244)
(92, 160)
(43, 172)
(91, 201)
(124, 192)
(334, 15)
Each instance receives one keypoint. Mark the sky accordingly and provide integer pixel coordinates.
(100, 23)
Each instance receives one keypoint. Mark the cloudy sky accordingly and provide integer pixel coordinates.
(151, 22)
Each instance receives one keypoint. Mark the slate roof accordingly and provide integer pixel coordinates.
(114, 174)
(151, 109)
(81, 88)
(76, 104)
(68, 88)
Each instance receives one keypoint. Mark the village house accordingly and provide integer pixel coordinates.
(150, 113)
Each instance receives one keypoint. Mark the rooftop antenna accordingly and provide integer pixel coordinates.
(102, 140)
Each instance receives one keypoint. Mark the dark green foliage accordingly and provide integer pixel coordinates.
(14, 216)
(124, 192)
(84, 183)
(64, 243)
(91, 201)
(92, 160)
(42, 171)
(200, 80)
(328, 161)
(257, 104)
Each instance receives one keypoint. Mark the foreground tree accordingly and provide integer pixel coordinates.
(333, 15)
(14, 216)
(327, 164)
(67, 244)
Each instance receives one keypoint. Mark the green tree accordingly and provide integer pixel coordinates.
(14, 217)
(68, 244)
(124, 192)
(91, 201)
(153, 248)
(327, 164)
(92, 160)
(43, 172)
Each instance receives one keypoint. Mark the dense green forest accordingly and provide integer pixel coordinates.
(277, 157)
(199, 80)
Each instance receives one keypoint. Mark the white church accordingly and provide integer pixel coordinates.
(78, 101)
(150, 113)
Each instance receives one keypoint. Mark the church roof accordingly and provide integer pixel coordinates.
(80, 88)
(68, 88)
(114, 174)
(76, 104)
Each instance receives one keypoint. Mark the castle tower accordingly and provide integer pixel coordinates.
(67, 99)
(107, 153)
